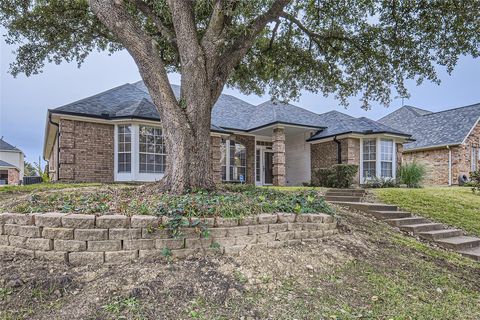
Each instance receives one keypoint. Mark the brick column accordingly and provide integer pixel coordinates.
(278, 157)
(13, 177)
(215, 152)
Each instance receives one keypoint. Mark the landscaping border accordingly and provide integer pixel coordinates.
(89, 239)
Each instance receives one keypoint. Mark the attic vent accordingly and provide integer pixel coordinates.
(105, 114)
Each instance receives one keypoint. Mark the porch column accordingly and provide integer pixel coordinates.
(215, 156)
(279, 157)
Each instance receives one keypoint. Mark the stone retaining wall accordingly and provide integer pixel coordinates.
(90, 239)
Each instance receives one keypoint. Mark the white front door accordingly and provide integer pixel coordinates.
(263, 166)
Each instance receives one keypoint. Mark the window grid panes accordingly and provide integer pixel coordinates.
(257, 165)
(152, 152)
(369, 158)
(386, 157)
(233, 157)
(124, 154)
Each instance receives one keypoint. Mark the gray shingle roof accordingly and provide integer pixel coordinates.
(430, 129)
(229, 112)
(337, 123)
(6, 164)
(7, 146)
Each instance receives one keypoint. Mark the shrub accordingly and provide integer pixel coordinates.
(380, 183)
(337, 176)
(411, 174)
(475, 181)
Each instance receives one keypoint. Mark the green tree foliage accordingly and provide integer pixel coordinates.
(340, 47)
(29, 169)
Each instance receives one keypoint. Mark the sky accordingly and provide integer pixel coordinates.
(24, 100)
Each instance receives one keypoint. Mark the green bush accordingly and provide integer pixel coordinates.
(337, 176)
(411, 174)
(475, 181)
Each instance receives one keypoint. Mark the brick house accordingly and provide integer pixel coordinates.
(116, 135)
(446, 142)
(11, 164)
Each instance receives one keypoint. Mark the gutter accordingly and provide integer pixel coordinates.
(339, 150)
(58, 141)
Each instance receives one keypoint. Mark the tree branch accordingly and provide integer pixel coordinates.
(232, 57)
(149, 12)
(141, 46)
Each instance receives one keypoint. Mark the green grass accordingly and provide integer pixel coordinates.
(454, 206)
(45, 187)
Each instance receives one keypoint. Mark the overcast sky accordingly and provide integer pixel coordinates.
(24, 101)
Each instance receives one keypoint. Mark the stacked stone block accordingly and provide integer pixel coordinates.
(90, 239)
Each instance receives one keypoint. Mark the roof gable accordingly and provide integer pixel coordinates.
(5, 146)
(430, 129)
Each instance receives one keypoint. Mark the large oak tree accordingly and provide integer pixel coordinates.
(330, 46)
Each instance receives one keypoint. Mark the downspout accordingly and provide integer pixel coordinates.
(58, 142)
(449, 166)
(339, 150)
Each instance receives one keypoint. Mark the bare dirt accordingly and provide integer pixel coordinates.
(360, 273)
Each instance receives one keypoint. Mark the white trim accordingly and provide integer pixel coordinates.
(440, 146)
(449, 166)
(134, 174)
(397, 139)
(471, 129)
(378, 158)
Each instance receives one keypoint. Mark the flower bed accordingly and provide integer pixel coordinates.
(227, 201)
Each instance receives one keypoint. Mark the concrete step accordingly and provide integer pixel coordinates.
(388, 215)
(346, 190)
(343, 198)
(345, 193)
(366, 206)
(440, 234)
(473, 253)
(421, 227)
(459, 243)
(402, 221)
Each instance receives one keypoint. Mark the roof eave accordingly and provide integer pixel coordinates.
(407, 136)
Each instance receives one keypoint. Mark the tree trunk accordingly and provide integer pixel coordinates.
(187, 138)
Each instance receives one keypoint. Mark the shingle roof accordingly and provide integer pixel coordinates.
(6, 164)
(430, 129)
(229, 112)
(337, 123)
(7, 146)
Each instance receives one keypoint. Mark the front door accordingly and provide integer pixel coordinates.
(268, 167)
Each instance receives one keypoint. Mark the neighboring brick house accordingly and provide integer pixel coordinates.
(446, 142)
(11, 164)
(116, 136)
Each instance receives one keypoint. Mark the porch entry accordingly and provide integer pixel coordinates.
(263, 166)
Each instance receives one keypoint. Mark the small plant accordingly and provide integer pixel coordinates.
(215, 246)
(475, 181)
(4, 292)
(166, 252)
(411, 174)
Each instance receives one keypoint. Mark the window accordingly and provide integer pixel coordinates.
(124, 149)
(474, 158)
(258, 166)
(369, 158)
(386, 158)
(233, 158)
(152, 152)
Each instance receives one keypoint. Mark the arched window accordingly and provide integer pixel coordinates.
(233, 160)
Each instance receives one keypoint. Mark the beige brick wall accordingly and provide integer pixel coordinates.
(86, 151)
(90, 239)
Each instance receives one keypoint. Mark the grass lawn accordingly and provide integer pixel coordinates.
(455, 206)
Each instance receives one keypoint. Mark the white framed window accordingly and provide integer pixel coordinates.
(386, 158)
(233, 160)
(152, 150)
(474, 158)
(369, 152)
(124, 153)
